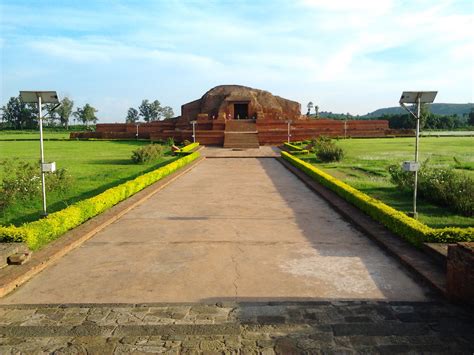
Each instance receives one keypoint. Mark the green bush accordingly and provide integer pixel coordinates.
(170, 141)
(326, 150)
(60, 181)
(39, 233)
(147, 153)
(22, 181)
(408, 228)
(442, 186)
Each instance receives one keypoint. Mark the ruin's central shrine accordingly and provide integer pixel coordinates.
(237, 116)
(240, 102)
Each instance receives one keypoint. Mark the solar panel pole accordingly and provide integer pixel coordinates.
(43, 183)
(418, 98)
(417, 145)
(42, 97)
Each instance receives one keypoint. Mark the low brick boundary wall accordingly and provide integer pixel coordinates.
(460, 272)
(211, 132)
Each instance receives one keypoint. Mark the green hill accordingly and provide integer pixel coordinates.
(438, 109)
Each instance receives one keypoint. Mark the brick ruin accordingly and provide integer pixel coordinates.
(226, 111)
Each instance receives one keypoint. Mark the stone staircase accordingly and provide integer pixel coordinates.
(241, 134)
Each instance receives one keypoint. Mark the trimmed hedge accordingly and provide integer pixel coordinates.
(398, 222)
(292, 147)
(39, 233)
(189, 147)
(299, 152)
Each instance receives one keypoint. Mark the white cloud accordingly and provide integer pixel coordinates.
(379, 6)
(315, 46)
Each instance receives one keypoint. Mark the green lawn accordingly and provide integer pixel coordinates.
(95, 166)
(365, 168)
(33, 134)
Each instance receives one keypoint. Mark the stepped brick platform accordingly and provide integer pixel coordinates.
(231, 108)
(241, 134)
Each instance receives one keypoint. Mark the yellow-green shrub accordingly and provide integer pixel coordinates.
(292, 147)
(39, 233)
(399, 223)
(189, 147)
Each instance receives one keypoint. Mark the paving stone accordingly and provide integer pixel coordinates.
(211, 345)
(271, 319)
(265, 343)
(98, 315)
(360, 328)
(267, 351)
(17, 316)
(358, 319)
(369, 329)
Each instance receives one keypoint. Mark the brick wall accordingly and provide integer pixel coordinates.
(460, 272)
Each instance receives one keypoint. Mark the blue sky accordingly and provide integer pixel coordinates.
(343, 55)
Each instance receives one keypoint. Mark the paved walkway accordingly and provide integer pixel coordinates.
(264, 151)
(229, 230)
(250, 328)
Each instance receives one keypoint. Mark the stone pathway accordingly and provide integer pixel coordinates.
(254, 262)
(264, 151)
(245, 328)
(229, 230)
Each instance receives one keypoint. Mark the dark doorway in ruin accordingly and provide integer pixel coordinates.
(241, 111)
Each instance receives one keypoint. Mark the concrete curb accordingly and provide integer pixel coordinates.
(419, 263)
(14, 276)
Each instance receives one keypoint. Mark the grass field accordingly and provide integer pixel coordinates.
(365, 168)
(48, 133)
(95, 166)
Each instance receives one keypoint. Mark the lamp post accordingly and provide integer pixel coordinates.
(136, 134)
(416, 98)
(42, 97)
(194, 131)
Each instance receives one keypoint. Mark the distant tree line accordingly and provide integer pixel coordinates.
(430, 120)
(405, 120)
(17, 114)
(149, 111)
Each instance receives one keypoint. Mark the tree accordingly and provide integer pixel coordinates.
(86, 114)
(19, 115)
(167, 112)
(470, 120)
(50, 114)
(316, 109)
(132, 115)
(64, 111)
(424, 114)
(150, 111)
(310, 106)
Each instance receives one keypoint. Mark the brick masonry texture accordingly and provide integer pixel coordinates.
(460, 272)
(233, 328)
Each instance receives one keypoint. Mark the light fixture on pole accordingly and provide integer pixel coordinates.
(194, 130)
(42, 97)
(289, 130)
(415, 98)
